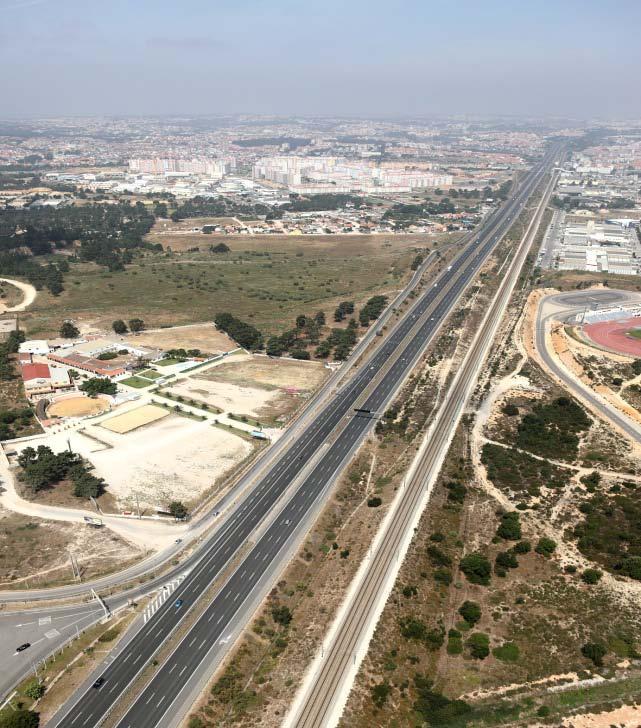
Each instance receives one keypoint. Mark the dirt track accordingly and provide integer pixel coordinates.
(27, 289)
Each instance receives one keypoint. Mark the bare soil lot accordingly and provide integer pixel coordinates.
(38, 549)
(195, 336)
(174, 458)
(268, 389)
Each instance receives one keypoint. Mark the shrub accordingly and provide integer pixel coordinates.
(20, 719)
(546, 547)
(511, 410)
(454, 645)
(471, 612)
(434, 708)
(478, 645)
(438, 557)
(35, 690)
(457, 491)
(380, 693)
(591, 480)
(594, 651)
(591, 576)
(443, 576)
(109, 635)
(522, 547)
(476, 568)
(543, 711)
(507, 652)
(510, 526)
(282, 615)
(374, 502)
(506, 560)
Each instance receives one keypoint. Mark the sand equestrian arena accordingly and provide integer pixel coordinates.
(135, 418)
(77, 407)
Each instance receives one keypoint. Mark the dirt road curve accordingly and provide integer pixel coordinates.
(27, 289)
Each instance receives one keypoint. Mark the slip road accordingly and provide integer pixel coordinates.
(376, 382)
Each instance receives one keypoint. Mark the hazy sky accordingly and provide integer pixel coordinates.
(355, 57)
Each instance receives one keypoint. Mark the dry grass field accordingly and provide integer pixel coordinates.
(263, 372)
(266, 281)
(197, 336)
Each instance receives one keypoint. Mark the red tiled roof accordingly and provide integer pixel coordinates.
(35, 371)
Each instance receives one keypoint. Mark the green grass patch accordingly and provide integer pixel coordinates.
(151, 374)
(167, 362)
(508, 652)
(136, 382)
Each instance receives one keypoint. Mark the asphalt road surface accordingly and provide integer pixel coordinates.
(318, 454)
(571, 304)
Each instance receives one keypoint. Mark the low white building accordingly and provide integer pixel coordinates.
(34, 346)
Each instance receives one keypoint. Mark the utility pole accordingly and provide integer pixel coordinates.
(74, 566)
(138, 505)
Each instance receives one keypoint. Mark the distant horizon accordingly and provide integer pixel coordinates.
(416, 59)
(328, 116)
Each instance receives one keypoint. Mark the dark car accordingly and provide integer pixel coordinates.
(99, 682)
(23, 647)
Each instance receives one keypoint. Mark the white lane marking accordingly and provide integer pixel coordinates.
(137, 658)
(160, 701)
(183, 670)
(76, 718)
(173, 667)
(192, 642)
(200, 646)
(149, 698)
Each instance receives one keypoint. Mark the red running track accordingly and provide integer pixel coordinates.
(614, 335)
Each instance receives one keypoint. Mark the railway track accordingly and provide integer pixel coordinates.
(320, 701)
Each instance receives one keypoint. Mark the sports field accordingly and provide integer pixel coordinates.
(132, 420)
(620, 336)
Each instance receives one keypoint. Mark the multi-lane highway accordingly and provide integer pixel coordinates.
(304, 471)
(324, 692)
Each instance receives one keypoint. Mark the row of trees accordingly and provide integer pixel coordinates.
(244, 334)
(135, 325)
(7, 348)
